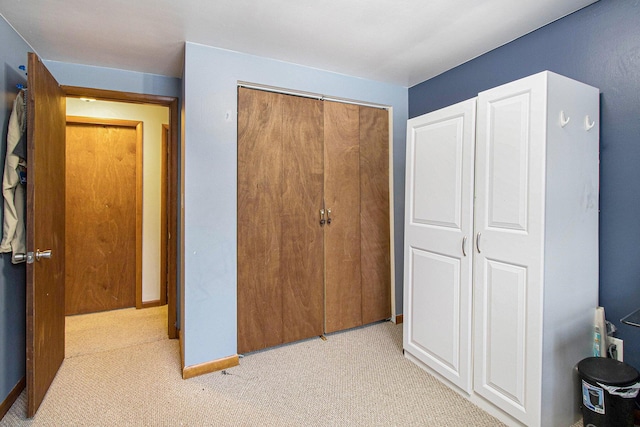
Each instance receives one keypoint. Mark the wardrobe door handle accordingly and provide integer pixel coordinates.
(478, 241)
(464, 245)
(328, 216)
(322, 221)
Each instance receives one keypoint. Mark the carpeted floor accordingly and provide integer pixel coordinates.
(109, 330)
(355, 378)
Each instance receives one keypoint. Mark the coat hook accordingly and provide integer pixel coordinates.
(563, 119)
(588, 126)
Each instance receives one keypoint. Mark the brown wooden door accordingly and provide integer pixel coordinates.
(280, 273)
(301, 268)
(103, 267)
(375, 253)
(45, 231)
(357, 242)
(343, 290)
(259, 228)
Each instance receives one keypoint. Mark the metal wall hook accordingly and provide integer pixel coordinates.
(588, 126)
(564, 120)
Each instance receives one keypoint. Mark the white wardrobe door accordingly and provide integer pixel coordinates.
(438, 240)
(510, 152)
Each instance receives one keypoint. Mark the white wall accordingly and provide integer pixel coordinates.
(211, 75)
(153, 117)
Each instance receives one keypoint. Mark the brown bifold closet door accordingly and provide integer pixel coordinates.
(357, 240)
(343, 290)
(301, 272)
(301, 267)
(280, 276)
(259, 228)
(375, 246)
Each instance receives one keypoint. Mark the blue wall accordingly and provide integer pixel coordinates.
(600, 46)
(12, 278)
(210, 169)
(113, 79)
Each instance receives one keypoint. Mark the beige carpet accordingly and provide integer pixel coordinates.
(93, 333)
(355, 378)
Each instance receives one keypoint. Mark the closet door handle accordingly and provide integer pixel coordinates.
(328, 216)
(478, 241)
(322, 221)
(464, 245)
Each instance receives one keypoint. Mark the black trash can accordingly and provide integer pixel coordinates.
(609, 390)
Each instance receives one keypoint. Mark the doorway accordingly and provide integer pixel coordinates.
(156, 279)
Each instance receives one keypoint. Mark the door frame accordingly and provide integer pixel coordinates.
(165, 195)
(172, 205)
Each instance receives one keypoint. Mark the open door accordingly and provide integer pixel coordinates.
(46, 111)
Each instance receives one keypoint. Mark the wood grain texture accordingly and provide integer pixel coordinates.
(208, 367)
(103, 241)
(301, 265)
(296, 155)
(154, 303)
(45, 321)
(374, 214)
(259, 229)
(343, 295)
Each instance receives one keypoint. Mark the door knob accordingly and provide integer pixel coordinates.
(22, 257)
(43, 254)
(29, 256)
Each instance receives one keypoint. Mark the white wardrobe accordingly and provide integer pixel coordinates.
(501, 246)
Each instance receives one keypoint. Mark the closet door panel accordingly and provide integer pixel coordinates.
(508, 261)
(302, 269)
(259, 226)
(374, 214)
(343, 294)
(504, 327)
(438, 240)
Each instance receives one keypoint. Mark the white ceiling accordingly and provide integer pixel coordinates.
(397, 41)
